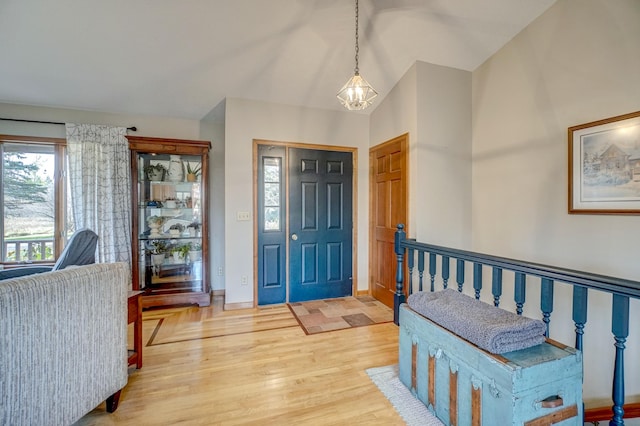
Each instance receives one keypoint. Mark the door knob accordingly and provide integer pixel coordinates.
(294, 237)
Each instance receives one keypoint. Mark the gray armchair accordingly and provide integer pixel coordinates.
(80, 250)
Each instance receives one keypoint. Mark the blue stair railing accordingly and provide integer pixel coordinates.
(620, 289)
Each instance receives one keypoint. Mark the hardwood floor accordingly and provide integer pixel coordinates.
(210, 367)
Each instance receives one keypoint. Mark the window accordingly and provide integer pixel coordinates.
(272, 178)
(32, 198)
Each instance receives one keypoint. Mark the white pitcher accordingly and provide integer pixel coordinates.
(176, 171)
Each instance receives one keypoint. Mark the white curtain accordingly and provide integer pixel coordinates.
(100, 187)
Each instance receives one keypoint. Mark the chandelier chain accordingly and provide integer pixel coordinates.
(357, 93)
(357, 70)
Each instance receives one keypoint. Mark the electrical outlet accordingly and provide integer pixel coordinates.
(220, 271)
(244, 280)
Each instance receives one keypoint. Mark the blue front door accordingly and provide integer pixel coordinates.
(320, 224)
(271, 225)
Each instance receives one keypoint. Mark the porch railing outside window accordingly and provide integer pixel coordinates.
(28, 250)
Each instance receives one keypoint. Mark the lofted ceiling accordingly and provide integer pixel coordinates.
(181, 58)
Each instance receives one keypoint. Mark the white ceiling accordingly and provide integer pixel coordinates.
(181, 58)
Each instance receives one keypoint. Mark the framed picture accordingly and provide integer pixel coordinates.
(604, 166)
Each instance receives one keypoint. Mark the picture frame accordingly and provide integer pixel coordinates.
(604, 166)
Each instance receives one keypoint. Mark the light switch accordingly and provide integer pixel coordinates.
(243, 216)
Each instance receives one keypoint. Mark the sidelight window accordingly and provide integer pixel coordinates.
(272, 181)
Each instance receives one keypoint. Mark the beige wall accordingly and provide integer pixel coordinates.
(248, 120)
(212, 129)
(443, 145)
(433, 104)
(576, 63)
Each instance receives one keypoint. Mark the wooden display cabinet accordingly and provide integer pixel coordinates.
(170, 221)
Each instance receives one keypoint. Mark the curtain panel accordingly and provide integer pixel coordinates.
(100, 187)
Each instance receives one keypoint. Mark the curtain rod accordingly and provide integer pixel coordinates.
(132, 128)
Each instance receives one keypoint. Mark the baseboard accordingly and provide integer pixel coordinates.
(363, 293)
(235, 306)
(232, 306)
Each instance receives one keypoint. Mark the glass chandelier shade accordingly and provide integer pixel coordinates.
(356, 94)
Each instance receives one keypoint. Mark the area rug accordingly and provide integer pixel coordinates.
(317, 316)
(412, 411)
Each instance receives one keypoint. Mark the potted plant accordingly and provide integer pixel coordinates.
(155, 172)
(193, 229)
(193, 172)
(195, 251)
(179, 252)
(176, 229)
(157, 249)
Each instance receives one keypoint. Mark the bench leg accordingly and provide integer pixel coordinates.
(112, 402)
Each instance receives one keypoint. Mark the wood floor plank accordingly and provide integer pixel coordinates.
(256, 370)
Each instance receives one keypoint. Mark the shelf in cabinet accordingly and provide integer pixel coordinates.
(168, 237)
(186, 185)
(164, 211)
(177, 186)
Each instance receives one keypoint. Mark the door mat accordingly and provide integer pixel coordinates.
(318, 316)
(411, 409)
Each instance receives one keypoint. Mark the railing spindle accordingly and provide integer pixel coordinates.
(432, 269)
(420, 268)
(546, 302)
(620, 330)
(520, 291)
(579, 312)
(445, 271)
(410, 263)
(496, 286)
(460, 274)
(477, 279)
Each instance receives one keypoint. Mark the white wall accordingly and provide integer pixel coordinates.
(443, 143)
(248, 120)
(212, 129)
(433, 104)
(576, 63)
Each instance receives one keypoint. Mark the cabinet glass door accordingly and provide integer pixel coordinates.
(170, 222)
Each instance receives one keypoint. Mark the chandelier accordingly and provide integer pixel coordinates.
(356, 94)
